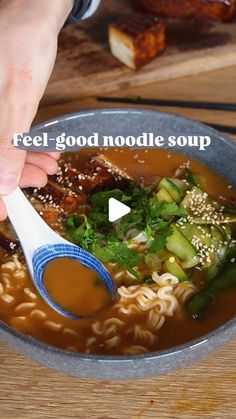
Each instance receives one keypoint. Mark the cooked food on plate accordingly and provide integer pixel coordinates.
(172, 258)
(137, 39)
(221, 10)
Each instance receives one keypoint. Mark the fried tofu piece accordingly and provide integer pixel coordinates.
(137, 39)
(221, 10)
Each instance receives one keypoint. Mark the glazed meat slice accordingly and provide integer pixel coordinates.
(221, 10)
(52, 214)
(72, 179)
(137, 39)
(99, 171)
(70, 189)
(65, 193)
(59, 197)
(106, 173)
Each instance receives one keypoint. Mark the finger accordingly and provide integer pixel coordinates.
(3, 212)
(11, 164)
(16, 116)
(54, 154)
(43, 161)
(33, 176)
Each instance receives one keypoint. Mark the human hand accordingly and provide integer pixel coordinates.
(28, 47)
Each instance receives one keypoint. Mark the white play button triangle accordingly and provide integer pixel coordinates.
(117, 210)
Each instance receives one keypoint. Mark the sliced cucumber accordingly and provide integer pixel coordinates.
(203, 234)
(178, 244)
(225, 279)
(226, 230)
(163, 195)
(155, 260)
(163, 254)
(217, 234)
(219, 241)
(171, 188)
(181, 185)
(226, 219)
(192, 229)
(190, 195)
(229, 218)
(197, 195)
(175, 269)
(200, 180)
(190, 177)
(212, 271)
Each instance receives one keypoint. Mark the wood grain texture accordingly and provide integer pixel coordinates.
(204, 390)
(86, 67)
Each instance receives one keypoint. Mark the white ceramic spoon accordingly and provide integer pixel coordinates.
(41, 244)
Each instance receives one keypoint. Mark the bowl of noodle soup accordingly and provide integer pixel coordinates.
(171, 259)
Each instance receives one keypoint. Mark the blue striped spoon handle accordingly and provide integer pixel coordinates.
(41, 244)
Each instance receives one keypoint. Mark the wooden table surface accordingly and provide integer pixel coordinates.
(206, 389)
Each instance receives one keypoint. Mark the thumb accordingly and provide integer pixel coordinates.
(11, 165)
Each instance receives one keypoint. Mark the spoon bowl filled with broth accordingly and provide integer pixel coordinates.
(172, 258)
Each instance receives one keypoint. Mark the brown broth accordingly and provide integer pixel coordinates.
(75, 288)
(75, 335)
(149, 164)
(177, 329)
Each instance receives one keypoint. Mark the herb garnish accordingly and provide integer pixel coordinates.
(108, 241)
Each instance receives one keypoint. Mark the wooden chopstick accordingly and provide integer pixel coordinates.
(223, 128)
(173, 103)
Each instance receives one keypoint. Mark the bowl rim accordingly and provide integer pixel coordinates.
(162, 353)
(124, 110)
(189, 345)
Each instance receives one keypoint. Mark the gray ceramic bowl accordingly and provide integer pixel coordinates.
(221, 157)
